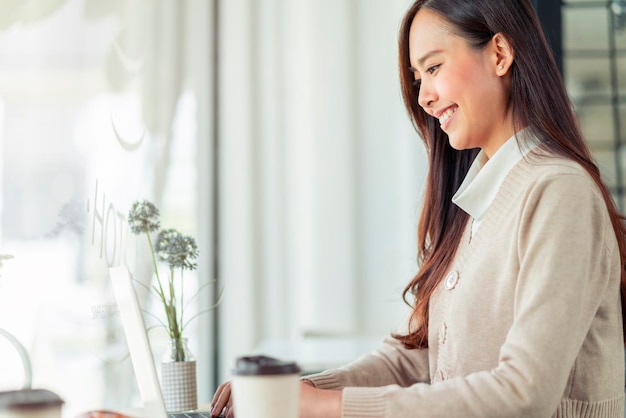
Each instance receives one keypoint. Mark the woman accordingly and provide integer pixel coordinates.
(517, 305)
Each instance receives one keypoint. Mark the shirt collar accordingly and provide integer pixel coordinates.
(485, 176)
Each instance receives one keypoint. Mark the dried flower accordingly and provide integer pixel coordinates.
(143, 217)
(177, 250)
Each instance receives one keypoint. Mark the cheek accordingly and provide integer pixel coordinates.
(468, 89)
(455, 84)
(451, 88)
(468, 70)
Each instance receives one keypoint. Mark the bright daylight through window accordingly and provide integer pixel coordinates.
(98, 108)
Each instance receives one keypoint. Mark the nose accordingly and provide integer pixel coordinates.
(427, 95)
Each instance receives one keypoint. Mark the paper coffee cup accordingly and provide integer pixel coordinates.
(264, 387)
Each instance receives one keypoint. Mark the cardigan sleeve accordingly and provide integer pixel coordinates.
(390, 364)
(568, 267)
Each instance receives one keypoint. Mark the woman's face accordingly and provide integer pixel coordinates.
(460, 86)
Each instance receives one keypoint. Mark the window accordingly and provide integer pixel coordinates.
(102, 104)
(595, 75)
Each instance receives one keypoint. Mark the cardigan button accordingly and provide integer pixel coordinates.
(451, 280)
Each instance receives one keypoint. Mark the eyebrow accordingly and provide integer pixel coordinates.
(426, 56)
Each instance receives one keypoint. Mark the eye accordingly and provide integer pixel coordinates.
(417, 83)
(432, 69)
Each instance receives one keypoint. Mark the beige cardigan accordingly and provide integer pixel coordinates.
(526, 324)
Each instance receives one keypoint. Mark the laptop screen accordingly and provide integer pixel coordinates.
(137, 340)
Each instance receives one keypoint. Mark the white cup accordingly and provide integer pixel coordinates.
(264, 387)
(30, 403)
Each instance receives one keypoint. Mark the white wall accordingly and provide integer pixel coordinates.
(321, 173)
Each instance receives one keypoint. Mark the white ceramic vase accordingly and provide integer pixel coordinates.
(178, 379)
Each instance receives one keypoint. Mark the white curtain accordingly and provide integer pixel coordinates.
(321, 176)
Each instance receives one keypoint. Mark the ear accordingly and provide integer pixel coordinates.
(503, 53)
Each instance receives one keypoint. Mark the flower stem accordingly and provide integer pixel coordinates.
(182, 301)
(160, 290)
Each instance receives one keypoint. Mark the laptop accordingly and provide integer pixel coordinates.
(139, 348)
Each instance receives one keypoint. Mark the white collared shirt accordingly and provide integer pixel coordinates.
(485, 176)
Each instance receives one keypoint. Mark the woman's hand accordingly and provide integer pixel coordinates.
(319, 403)
(222, 401)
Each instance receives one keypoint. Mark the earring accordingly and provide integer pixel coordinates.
(500, 67)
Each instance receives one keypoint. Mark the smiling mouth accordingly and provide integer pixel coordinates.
(447, 115)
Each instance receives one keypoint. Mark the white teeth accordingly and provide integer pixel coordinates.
(447, 114)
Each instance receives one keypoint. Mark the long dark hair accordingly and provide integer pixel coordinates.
(537, 94)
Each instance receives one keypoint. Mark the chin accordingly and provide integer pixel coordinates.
(457, 145)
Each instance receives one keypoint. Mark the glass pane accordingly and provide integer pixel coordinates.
(595, 33)
(620, 33)
(590, 57)
(596, 122)
(581, 2)
(587, 79)
(621, 75)
(93, 116)
(622, 122)
(606, 163)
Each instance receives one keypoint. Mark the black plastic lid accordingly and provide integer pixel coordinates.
(28, 398)
(263, 365)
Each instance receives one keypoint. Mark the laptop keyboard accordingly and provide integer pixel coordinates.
(190, 415)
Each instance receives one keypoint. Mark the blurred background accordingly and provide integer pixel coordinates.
(270, 130)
